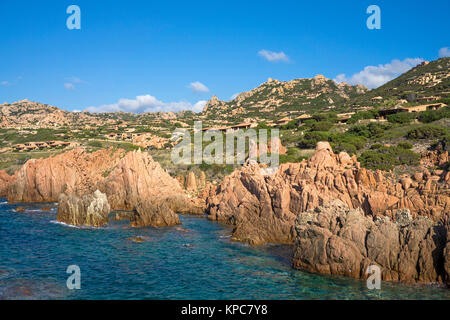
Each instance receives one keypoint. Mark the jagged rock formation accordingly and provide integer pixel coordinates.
(73, 172)
(138, 177)
(5, 181)
(191, 182)
(263, 208)
(126, 179)
(88, 210)
(157, 214)
(333, 239)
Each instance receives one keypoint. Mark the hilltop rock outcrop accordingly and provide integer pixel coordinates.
(263, 208)
(88, 210)
(334, 239)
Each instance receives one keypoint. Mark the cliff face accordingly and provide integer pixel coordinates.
(334, 239)
(263, 208)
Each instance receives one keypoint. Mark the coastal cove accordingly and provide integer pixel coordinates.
(194, 260)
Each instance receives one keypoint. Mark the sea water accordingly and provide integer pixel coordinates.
(196, 260)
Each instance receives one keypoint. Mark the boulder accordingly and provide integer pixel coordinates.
(151, 214)
(334, 239)
(88, 210)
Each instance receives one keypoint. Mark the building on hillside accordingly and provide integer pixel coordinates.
(427, 99)
(283, 121)
(344, 117)
(386, 112)
(245, 125)
(302, 118)
(425, 107)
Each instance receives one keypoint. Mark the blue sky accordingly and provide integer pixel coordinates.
(176, 54)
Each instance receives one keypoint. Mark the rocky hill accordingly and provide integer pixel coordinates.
(276, 98)
(26, 113)
(30, 114)
(426, 80)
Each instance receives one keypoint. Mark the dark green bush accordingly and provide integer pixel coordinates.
(371, 114)
(371, 130)
(434, 115)
(344, 146)
(310, 139)
(322, 126)
(376, 146)
(386, 158)
(405, 145)
(426, 132)
(402, 117)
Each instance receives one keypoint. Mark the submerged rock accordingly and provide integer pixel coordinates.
(88, 210)
(334, 239)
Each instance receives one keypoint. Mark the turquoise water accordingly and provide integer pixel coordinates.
(194, 261)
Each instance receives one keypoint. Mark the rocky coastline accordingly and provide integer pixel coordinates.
(339, 216)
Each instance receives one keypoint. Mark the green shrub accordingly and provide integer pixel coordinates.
(434, 115)
(344, 146)
(370, 114)
(329, 117)
(371, 130)
(426, 132)
(310, 139)
(340, 138)
(405, 145)
(386, 158)
(322, 126)
(376, 146)
(95, 144)
(402, 117)
(284, 158)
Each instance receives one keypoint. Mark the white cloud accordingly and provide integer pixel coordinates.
(75, 80)
(444, 52)
(375, 76)
(273, 56)
(198, 87)
(71, 81)
(5, 83)
(69, 86)
(148, 103)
